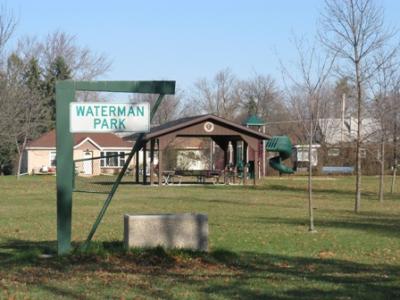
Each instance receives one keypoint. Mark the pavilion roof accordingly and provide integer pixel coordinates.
(182, 123)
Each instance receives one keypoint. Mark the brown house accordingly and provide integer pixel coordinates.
(41, 153)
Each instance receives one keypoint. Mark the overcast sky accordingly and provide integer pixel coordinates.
(181, 40)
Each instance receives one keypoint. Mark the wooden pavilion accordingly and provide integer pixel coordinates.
(221, 131)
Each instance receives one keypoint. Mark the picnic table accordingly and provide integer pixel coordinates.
(201, 175)
(168, 177)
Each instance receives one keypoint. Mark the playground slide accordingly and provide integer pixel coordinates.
(283, 145)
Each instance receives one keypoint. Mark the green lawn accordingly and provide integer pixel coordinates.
(259, 244)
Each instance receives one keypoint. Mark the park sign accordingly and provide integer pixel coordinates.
(109, 117)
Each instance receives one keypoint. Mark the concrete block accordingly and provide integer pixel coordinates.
(187, 231)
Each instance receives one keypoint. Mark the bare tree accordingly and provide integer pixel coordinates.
(260, 96)
(23, 106)
(354, 29)
(83, 62)
(382, 85)
(8, 23)
(7, 147)
(305, 98)
(395, 97)
(59, 57)
(219, 96)
(170, 108)
(189, 107)
(23, 113)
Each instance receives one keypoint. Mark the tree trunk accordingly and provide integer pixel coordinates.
(20, 155)
(395, 162)
(310, 195)
(357, 204)
(382, 171)
(393, 185)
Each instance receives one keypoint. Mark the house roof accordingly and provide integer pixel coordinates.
(189, 121)
(332, 130)
(104, 140)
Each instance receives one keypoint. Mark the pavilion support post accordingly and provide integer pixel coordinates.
(264, 173)
(226, 158)
(230, 153)
(256, 167)
(144, 163)
(152, 144)
(160, 164)
(226, 161)
(244, 162)
(212, 161)
(234, 160)
(137, 167)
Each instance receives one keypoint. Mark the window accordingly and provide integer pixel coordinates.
(333, 152)
(122, 159)
(53, 161)
(302, 155)
(112, 159)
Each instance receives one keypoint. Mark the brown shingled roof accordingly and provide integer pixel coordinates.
(188, 121)
(107, 140)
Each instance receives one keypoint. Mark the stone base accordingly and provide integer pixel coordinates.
(187, 231)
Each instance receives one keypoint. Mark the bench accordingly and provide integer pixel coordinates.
(337, 170)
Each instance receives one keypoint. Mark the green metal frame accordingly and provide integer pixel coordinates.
(65, 94)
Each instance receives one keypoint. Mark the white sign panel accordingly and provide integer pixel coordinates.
(109, 117)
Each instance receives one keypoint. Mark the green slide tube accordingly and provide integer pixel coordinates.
(283, 146)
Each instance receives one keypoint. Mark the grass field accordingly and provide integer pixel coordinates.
(259, 244)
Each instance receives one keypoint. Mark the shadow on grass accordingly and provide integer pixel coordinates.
(381, 225)
(339, 192)
(220, 273)
(65, 293)
(277, 187)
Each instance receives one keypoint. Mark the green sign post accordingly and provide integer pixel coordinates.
(65, 95)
